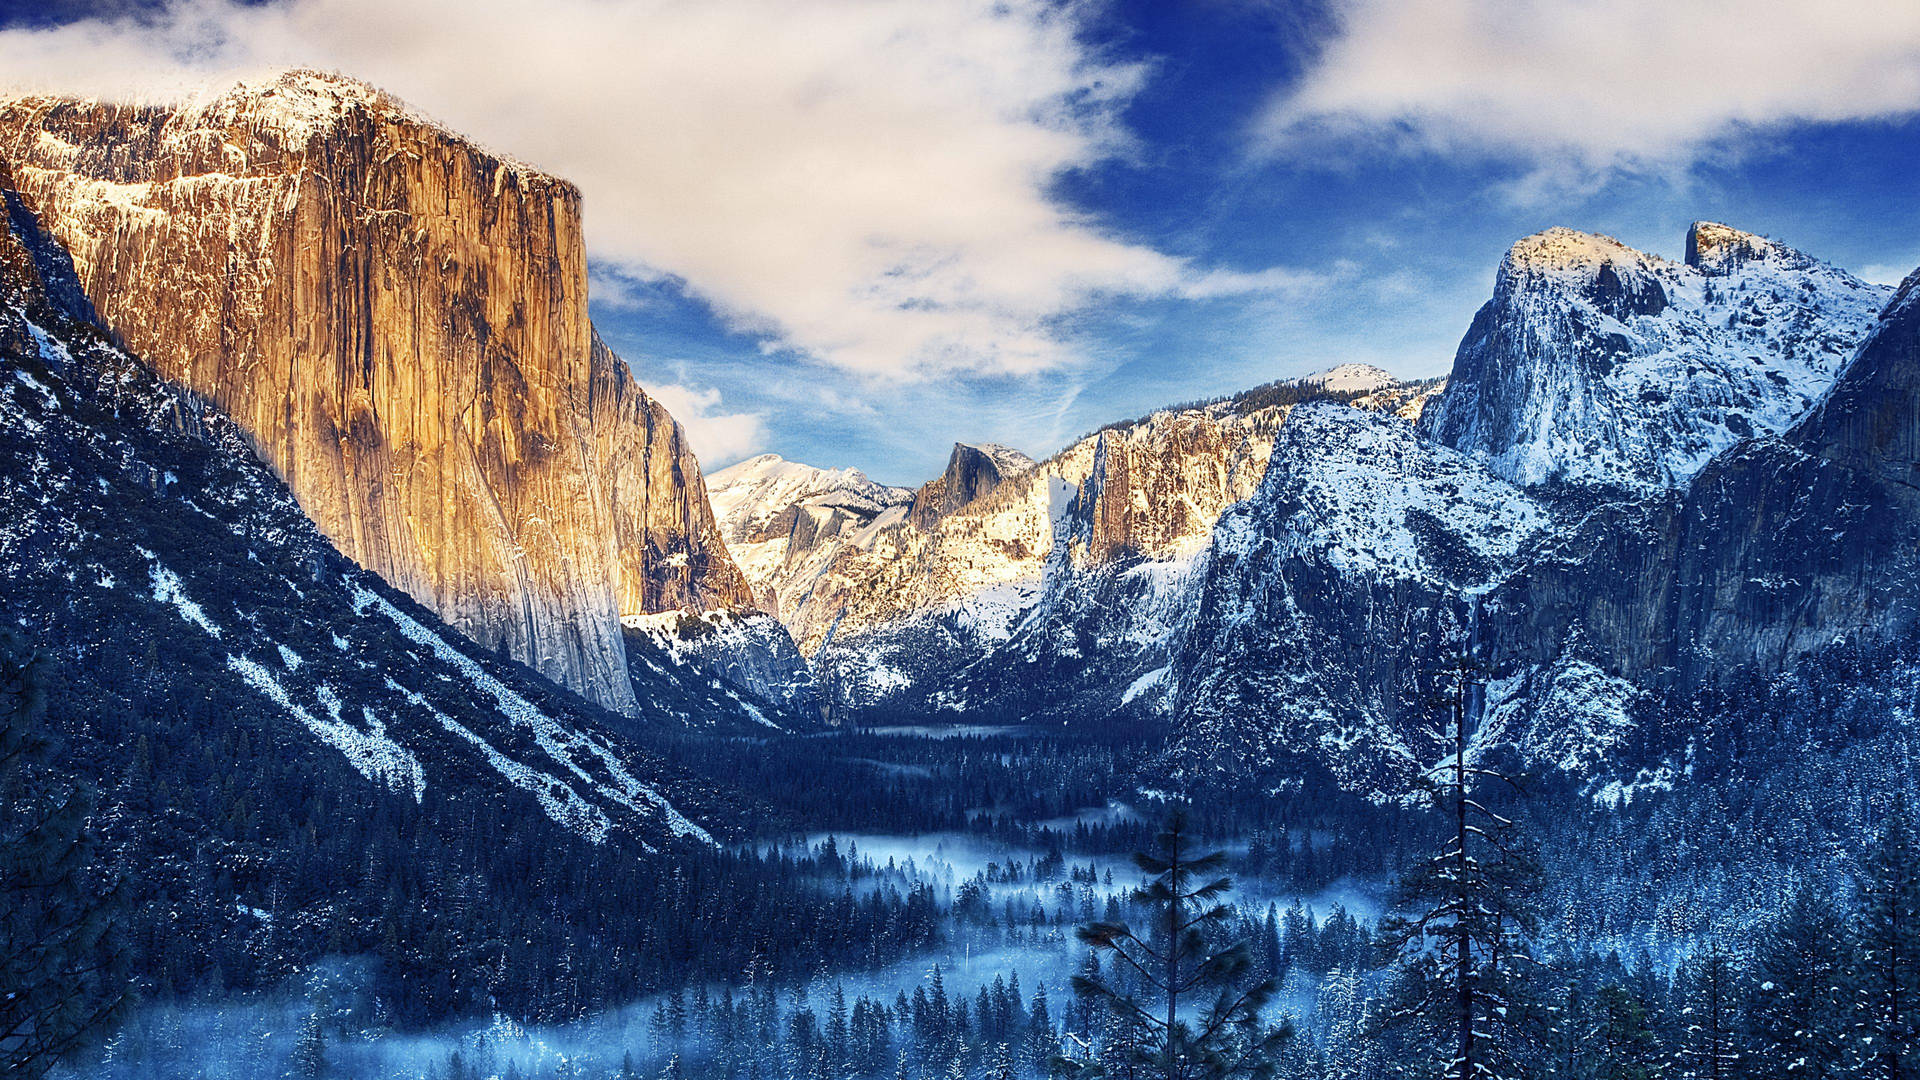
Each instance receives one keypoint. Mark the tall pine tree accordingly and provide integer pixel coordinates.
(1707, 1035)
(1219, 1034)
(1799, 1012)
(1460, 938)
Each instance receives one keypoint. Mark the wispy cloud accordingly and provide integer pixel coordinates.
(864, 182)
(1574, 87)
(717, 437)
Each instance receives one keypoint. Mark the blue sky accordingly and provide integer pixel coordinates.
(853, 233)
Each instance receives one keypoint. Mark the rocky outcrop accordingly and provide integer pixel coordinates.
(1010, 590)
(972, 474)
(1600, 367)
(782, 521)
(398, 320)
(1779, 549)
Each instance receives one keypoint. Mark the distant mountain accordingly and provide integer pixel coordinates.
(1644, 481)
(398, 321)
(1596, 365)
(973, 472)
(1781, 548)
(777, 516)
(1047, 590)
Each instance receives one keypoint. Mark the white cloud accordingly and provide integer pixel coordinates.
(718, 439)
(1576, 86)
(862, 180)
(1893, 273)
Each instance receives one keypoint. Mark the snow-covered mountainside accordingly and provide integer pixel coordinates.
(909, 619)
(1779, 549)
(1598, 365)
(398, 320)
(1321, 593)
(746, 657)
(1005, 588)
(781, 520)
(1329, 596)
(1057, 594)
(168, 574)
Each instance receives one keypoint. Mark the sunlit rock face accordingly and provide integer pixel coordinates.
(1601, 367)
(398, 320)
(1046, 596)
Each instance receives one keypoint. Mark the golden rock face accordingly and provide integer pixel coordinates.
(399, 320)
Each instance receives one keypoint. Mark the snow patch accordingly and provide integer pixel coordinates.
(1150, 681)
(566, 747)
(167, 589)
(371, 752)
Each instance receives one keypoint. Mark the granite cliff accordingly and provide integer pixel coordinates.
(1597, 366)
(398, 321)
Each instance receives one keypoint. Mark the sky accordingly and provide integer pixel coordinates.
(854, 232)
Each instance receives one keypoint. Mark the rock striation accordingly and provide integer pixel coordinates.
(398, 320)
(144, 544)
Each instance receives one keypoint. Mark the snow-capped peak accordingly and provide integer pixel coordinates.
(1005, 458)
(1351, 379)
(748, 495)
(1597, 364)
(299, 104)
(1562, 251)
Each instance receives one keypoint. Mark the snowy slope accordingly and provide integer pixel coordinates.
(1323, 595)
(1598, 365)
(135, 522)
(1351, 379)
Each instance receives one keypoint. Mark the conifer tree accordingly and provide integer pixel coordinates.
(1220, 1036)
(1627, 1049)
(1042, 1044)
(1462, 951)
(1708, 1035)
(1800, 1002)
(310, 1049)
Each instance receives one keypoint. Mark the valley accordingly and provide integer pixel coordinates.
(389, 691)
